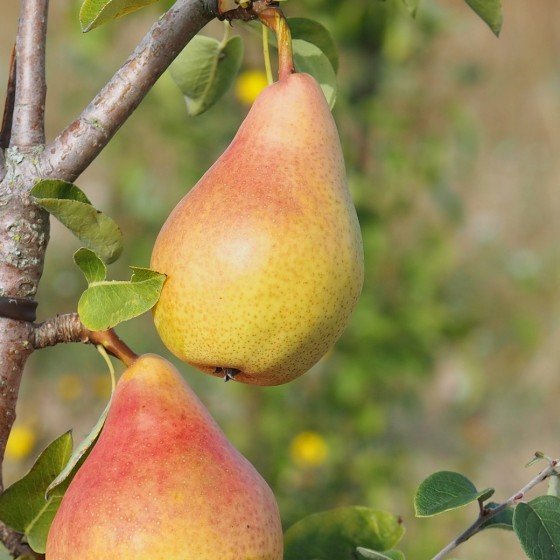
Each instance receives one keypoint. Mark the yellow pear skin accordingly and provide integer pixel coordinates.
(164, 483)
(263, 257)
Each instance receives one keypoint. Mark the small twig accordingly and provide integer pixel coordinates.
(6, 130)
(28, 126)
(486, 514)
(69, 328)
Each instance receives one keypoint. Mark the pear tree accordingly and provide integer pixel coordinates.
(214, 502)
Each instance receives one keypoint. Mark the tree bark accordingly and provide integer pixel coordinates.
(28, 127)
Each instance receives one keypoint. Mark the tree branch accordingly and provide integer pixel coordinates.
(28, 127)
(82, 141)
(69, 328)
(486, 514)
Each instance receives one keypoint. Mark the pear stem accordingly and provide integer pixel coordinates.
(114, 346)
(69, 328)
(274, 19)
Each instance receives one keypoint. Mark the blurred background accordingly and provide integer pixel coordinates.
(451, 360)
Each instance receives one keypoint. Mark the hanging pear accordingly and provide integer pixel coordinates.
(263, 257)
(164, 483)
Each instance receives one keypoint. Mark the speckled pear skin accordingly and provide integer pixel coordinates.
(164, 483)
(263, 257)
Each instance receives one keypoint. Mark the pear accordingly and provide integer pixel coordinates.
(163, 482)
(263, 257)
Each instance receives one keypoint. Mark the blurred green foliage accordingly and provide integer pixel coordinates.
(422, 297)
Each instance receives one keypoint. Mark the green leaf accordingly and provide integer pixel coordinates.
(59, 485)
(4, 554)
(537, 525)
(313, 32)
(335, 534)
(444, 491)
(91, 265)
(490, 11)
(54, 188)
(106, 304)
(94, 13)
(503, 520)
(375, 555)
(205, 70)
(68, 204)
(23, 506)
(309, 58)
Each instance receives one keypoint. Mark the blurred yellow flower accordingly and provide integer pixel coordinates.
(309, 449)
(20, 443)
(102, 386)
(249, 84)
(70, 387)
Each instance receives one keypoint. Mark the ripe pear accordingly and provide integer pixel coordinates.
(263, 257)
(164, 483)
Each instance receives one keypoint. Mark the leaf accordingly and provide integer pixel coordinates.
(91, 265)
(375, 555)
(537, 525)
(68, 204)
(335, 534)
(490, 11)
(106, 304)
(503, 520)
(94, 13)
(309, 58)
(60, 483)
(23, 506)
(205, 70)
(313, 32)
(444, 491)
(54, 188)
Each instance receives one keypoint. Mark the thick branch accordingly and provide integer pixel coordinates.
(28, 127)
(69, 328)
(80, 143)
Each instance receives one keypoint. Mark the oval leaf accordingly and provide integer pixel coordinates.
(490, 11)
(335, 534)
(55, 188)
(68, 204)
(444, 491)
(91, 265)
(23, 506)
(374, 555)
(313, 32)
(205, 70)
(106, 304)
(309, 58)
(94, 13)
(537, 525)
